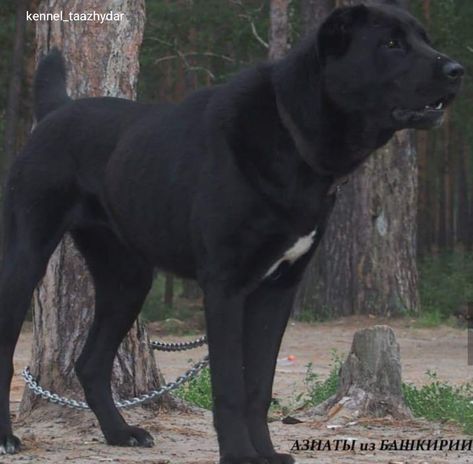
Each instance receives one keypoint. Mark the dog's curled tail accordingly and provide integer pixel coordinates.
(50, 84)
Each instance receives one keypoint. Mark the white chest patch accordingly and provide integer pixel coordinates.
(300, 248)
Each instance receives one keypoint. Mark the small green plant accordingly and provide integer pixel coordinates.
(278, 409)
(322, 314)
(428, 319)
(440, 401)
(320, 390)
(198, 390)
(435, 401)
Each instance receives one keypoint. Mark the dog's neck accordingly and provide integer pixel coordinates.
(331, 152)
(303, 145)
(332, 142)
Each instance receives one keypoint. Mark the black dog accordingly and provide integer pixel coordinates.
(233, 187)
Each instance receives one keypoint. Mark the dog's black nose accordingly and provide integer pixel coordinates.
(453, 70)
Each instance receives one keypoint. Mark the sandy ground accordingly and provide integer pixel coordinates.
(188, 437)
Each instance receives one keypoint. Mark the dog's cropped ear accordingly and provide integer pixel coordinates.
(335, 32)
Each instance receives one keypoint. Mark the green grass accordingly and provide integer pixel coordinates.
(440, 401)
(319, 390)
(198, 390)
(430, 319)
(436, 401)
(323, 314)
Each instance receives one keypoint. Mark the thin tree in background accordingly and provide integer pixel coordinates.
(102, 59)
(279, 28)
(366, 262)
(313, 12)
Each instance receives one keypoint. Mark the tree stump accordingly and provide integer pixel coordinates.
(370, 379)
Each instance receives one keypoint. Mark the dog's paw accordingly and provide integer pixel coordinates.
(280, 458)
(130, 436)
(9, 444)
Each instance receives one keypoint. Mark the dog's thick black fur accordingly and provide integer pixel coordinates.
(232, 187)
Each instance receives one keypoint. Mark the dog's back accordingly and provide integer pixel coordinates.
(81, 153)
(72, 140)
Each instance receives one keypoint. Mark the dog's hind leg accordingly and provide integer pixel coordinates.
(266, 314)
(122, 281)
(33, 226)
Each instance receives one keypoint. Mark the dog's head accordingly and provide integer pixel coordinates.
(377, 60)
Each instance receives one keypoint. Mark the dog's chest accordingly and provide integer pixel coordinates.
(299, 248)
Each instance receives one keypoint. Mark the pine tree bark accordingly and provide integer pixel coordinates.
(366, 262)
(102, 59)
(14, 88)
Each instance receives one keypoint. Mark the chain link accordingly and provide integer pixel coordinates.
(179, 346)
(34, 386)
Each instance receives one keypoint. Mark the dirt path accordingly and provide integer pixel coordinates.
(189, 437)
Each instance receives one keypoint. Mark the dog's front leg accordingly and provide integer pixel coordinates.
(267, 312)
(224, 316)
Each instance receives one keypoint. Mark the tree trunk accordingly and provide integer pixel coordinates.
(424, 220)
(470, 218)
(14, 89)
(366, 262)
(279, 29)
(191, 290)
(427, 12)
(102, 59)
(169, 290)
(313, 12)
(446, 229)
(463, 211)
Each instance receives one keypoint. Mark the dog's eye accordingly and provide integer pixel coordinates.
(392, 44)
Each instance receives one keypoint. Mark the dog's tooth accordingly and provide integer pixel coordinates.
(439, 106)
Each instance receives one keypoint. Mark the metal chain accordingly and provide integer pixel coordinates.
(179, 346)
(34, 386)
(151, 395)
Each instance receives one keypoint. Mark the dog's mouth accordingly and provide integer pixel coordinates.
(426, 117)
